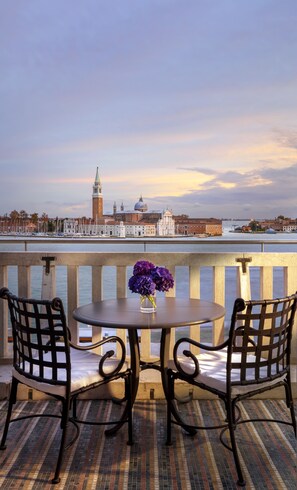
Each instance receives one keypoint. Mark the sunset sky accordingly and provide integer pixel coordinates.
(190, 103)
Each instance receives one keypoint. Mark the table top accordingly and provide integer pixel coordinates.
(171, 313)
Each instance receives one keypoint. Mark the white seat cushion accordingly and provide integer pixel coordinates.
(212, 366)
(84, 372)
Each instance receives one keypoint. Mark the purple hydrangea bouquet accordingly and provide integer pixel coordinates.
(148, 278)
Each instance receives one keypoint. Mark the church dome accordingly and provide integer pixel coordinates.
(140, 206)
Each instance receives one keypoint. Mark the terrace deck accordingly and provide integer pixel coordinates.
(268, 451)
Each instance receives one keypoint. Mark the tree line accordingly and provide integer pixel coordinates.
(19, 220)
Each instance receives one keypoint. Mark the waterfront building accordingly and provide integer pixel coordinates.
(280, 224)
(70, 226)
(290, 226)
(197, 226)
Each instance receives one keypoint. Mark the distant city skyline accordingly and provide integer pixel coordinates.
(190, 104)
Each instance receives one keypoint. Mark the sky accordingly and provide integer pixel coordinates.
(191, 104)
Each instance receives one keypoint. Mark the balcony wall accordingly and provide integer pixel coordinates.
(229, 276)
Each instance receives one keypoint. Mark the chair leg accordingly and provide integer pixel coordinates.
(169, 401)
(231, 426)
(233, 411)
(11, 402)
(290, 404)
(128, 395)
(74, 408)
(64, 427)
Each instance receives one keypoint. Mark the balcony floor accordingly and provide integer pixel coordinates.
(268, 451)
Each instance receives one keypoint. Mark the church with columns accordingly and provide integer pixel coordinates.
(139, 222)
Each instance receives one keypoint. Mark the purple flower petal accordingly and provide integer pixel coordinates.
(162, 278)
(143, 267)
(143, 285)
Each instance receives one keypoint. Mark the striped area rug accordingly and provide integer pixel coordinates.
(268, 451)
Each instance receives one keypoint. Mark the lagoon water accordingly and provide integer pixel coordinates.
(228, 242)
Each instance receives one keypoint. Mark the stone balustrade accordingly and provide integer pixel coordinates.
(229, 275)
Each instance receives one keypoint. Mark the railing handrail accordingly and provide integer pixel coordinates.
(189, 241)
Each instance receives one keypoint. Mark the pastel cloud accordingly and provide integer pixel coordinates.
(252, 192)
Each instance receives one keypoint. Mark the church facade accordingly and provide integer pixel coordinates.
(139, 222)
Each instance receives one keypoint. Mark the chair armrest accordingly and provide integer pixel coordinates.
(107, 355)
(189, 354)
(199, 344)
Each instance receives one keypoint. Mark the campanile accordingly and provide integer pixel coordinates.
(97, 198)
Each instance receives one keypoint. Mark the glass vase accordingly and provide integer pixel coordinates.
(148, 304)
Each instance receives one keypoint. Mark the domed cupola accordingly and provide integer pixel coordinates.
(140, 206)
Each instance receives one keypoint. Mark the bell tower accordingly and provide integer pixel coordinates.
(97, 198)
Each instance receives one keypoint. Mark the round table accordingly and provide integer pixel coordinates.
(124, 313)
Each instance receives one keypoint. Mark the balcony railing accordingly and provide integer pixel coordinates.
(81, 277)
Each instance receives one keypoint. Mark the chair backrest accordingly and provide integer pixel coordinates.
(260, 340)
(40, 338)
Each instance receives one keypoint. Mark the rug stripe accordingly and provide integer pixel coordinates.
(211, 459)
(96, 462)
(12, 452)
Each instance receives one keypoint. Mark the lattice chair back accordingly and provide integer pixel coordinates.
(260, 340)
(40, 339)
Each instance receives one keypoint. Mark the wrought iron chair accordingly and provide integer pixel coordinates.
(254, 358)
(45, 359)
